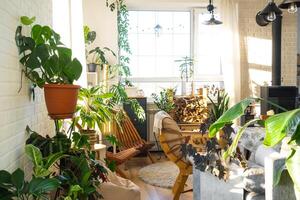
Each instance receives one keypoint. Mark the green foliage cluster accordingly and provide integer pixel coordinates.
(98, 54)
(79, 173)
(44, 57)
(277, 128)
(164, 100)
(93, 108)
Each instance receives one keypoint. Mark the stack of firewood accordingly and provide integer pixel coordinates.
(191, 109)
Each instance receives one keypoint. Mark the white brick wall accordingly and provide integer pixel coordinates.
(17, 109)
(254, 74)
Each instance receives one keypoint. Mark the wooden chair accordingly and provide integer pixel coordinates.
(128, 136)
(121, 157)
(170, 141)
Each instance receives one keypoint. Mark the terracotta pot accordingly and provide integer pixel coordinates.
(61, 100)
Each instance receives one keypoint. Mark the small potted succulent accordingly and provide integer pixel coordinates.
(49, 64)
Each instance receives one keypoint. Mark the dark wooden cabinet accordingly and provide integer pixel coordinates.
(141, 127)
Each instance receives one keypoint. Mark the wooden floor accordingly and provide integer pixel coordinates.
(150, 192)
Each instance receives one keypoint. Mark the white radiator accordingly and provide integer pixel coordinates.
(151, 110)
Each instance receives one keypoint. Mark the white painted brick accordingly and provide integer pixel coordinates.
(248, 27)
(17, 109)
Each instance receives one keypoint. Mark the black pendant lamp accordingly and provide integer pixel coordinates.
(212, 20)
(291, 5)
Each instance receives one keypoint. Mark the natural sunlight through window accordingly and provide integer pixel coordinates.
(259, 51)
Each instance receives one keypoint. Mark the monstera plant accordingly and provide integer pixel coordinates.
(277, 127)
(49, 64)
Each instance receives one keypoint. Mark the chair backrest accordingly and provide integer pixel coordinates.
(128, 135)
(171, 140)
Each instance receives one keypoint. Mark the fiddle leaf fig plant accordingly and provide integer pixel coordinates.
(43, 55)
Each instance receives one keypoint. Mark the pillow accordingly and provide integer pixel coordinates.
(254, 179)
(261, 153)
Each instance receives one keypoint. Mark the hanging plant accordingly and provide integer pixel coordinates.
(123, 42)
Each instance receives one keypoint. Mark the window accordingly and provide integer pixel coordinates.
(154, 51)
(158, 38)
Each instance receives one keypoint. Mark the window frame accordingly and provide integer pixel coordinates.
(193, 40)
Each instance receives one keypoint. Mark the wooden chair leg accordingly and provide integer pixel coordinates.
(150, 157)
(179, 185)
(120, 172)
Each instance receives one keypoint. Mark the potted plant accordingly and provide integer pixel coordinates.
(277, 128)
(186, 69)
(89, 38)
(92, 110)
(49, 64)
(164, 100)
(99, 57)
(97, 54)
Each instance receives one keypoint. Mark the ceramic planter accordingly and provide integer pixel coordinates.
(61, 100)
(93, 136)
(92, 67)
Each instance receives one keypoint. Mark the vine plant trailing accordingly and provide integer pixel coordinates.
(123, 43)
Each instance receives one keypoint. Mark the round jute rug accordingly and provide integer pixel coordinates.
(161, 174)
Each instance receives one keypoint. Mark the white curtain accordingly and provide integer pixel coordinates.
(230, 46)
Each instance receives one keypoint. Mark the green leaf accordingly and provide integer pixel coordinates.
(5, 177)
(231, 150)
(36, 34)
(73, 70)
(42, 52)
(281, 125)
(34, 154)
(26, 20)
(5, 194)
(293, 166)
(53, 158)
(229, 116)
(39, 186)
(17, 179)
(33, 61)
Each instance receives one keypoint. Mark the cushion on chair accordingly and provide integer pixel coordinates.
(254, 179)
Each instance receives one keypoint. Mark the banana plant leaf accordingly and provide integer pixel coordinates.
(230, 115)
(281, 125)
(231, 150)
(277, 128)
(293, 166)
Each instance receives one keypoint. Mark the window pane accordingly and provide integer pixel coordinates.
(165, 20)
(180, 22)
(146, 21)
(182, 45)
(147, 66)
(146, 44)
(164, 45)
